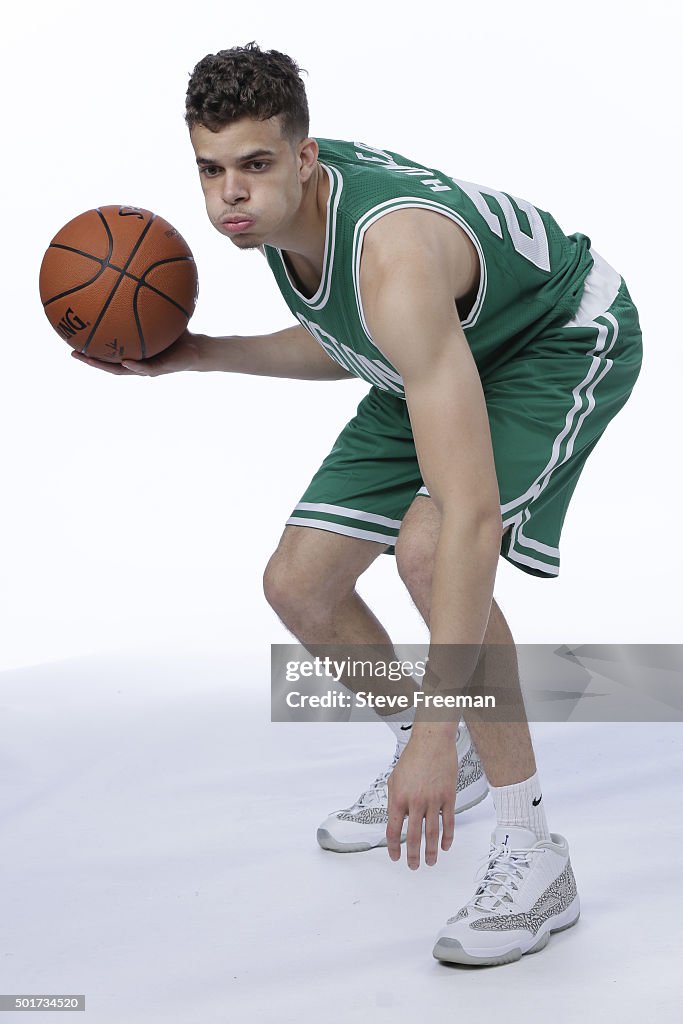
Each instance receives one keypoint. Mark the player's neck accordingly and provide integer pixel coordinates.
(305, 249)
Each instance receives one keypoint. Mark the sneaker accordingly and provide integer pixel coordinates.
(526, 892)
(363, 826)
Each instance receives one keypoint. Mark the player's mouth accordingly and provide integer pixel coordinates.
(236, 223)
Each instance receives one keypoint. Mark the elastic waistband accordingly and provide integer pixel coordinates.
(599, 291)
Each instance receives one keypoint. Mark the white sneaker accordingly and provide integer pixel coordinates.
(526, 891)
(363, 826)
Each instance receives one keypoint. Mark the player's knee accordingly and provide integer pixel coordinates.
(415, 564)
(293, 589)
(280, 585)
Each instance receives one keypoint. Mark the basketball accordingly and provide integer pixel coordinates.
(118, 282)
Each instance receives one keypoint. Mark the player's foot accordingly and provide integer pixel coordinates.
(526, 892)
(363, 826)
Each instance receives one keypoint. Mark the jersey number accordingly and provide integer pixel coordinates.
(533, 247)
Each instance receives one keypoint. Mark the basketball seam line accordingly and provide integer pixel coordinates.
(142, 283)
(106, 305)
(105, 265)
(78, 287)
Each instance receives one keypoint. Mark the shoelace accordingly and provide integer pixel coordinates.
(499, 875)
(376, 793)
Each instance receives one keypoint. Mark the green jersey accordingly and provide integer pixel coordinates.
(531, 273)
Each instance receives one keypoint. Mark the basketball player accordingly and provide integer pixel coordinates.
(497, 350)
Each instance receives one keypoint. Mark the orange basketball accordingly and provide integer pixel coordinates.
(118, 283)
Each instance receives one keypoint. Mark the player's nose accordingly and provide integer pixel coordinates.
(234, 189)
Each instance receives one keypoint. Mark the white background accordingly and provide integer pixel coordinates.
(138, 513)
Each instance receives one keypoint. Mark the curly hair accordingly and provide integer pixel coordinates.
(246, 81)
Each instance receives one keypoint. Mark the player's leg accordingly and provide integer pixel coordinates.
(547, 408)
(528, 889)
(350, 512)
(504, 747)
(310, 581)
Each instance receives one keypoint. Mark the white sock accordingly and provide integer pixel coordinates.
(520, 805)
(401, 725)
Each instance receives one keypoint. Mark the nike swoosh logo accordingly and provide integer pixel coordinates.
(405, 728)
(537, 802)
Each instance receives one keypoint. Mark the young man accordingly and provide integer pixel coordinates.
(497, 350)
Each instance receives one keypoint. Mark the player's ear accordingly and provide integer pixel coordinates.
(307, 151)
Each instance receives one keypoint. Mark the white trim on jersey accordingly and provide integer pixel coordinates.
(407, 203)
(599, 367)
(600, 290)
(320, 298)
(348, 513)
(346, 531)
(518, 539)
(535, 545)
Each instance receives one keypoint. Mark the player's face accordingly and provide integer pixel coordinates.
(253, 179)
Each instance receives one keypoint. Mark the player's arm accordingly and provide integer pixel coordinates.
(410, 274)
(290, 353)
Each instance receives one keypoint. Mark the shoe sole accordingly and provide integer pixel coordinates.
(328, 842)
(451, 951)
(479, 789)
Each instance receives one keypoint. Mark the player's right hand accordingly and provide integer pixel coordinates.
(183, 354)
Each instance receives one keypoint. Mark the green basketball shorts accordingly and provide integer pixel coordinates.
(547, 408)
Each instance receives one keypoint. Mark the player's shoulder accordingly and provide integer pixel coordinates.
(419, 246)
(415, 234)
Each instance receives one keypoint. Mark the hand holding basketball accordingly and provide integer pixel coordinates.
(183, 354)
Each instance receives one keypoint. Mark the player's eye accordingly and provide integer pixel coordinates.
(258, 165)
(209, 171)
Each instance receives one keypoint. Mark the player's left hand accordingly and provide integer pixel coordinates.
(422, 788)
